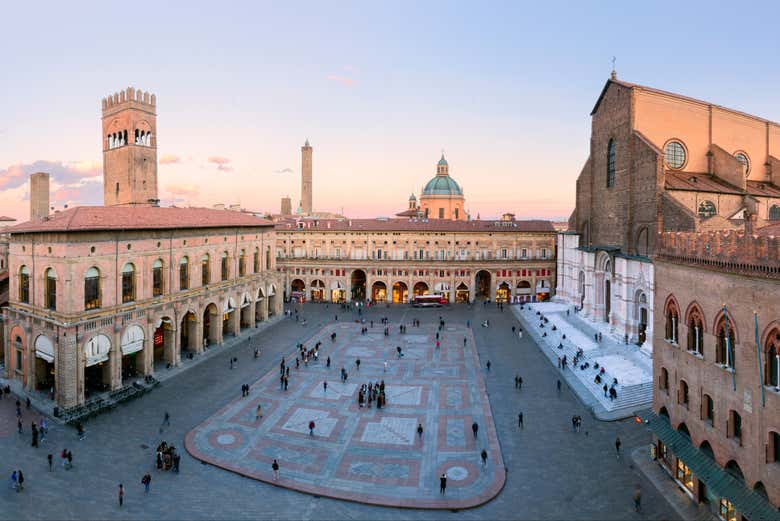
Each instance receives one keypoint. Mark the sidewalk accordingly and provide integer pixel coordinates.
(40, 402)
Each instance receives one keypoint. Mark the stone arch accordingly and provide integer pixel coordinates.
(211, 323)
(43, 370)
(771, 349)
(97, 372)
(641, 315)
(164, 340)
(400, 292)
(733, 468)
(420, 288)
(694, 308)
(706, 448)
(131, 343)
(642, 242)
(663, 411)
(672, 319)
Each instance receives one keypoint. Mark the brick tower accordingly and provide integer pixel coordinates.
(129, 148)
(39, 195)
(306, 192)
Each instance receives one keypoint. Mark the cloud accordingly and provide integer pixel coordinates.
(62, 172)
(223, 163)
(287, 170)
(185, 191)
(85, 193)
(170, 159)
(343, 80)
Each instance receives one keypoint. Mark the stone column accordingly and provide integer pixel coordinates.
(199, 335)
(148, 352)
(252, 313)
(115, 359)
(68, 371)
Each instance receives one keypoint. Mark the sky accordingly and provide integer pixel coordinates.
(379, 88)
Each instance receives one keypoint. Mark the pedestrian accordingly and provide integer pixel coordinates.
(516, 382)
(81, 431)
(558, 384)
(64, 458)
(286, 382)
(50, 459)
(324, 386)
(514, 329)
(27, 403)
(259, 412)
(275, 467)
(520, 382)
(520, 420)
(488, 365)
(474, 429)
(19, 424)
(121, 494)
(167, 419)
(327, 364)
(637, 499)
(385, 370)
(69, 456)
(14, 481)
(311, 428)
(357, 363)
(419, 430)
(605, 391)
(146, 480)
(464, 341)
(483, 455)
(617, 447)
(443, 483)
(20, 477)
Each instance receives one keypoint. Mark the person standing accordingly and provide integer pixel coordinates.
(327, 363)
(19, 424)
(520, 420)
(146, 481)
(488, 365)
(325, 386)
(617, 447)
(483, 455)
(69, 457)
(34, 430)
(443, 483)
(474, 429)
(311, 428)
(275, 467)
(357, 364)
(259, 412)
(14, 481)
(121, 494)
(637, 499)
(558, 385)
(50, 459)
(419, 430)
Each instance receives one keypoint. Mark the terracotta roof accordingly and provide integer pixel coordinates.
(770, 230)
(415, 225)
(93, 218)
(764, 188)
(698, 182)
(408, 213)
(673, 95)
(6, 218)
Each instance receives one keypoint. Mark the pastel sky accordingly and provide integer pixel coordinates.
(379, 88)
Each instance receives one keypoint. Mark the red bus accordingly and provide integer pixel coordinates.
(421, 301)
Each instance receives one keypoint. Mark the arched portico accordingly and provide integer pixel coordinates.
(420, 288)
(211, 325)
(400, 293)
(379, 291)
(358, 285)
(482, 284)
(188, 334)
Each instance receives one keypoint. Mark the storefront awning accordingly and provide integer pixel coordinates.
(745, 501)
(442, 286)
(44, 348)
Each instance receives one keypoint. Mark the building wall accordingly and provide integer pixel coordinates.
(432, 203)
(709, 289)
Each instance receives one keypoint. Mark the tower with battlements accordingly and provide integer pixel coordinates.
(306, 172)
(129, 148)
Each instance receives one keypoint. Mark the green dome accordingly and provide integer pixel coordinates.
(442, 161)
(442, 185)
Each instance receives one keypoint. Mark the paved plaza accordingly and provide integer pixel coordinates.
(552, 472)
(364, 453)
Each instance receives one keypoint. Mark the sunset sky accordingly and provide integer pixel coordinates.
(380, 89)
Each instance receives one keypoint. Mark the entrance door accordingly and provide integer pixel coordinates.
(607, 300)
(642, 325)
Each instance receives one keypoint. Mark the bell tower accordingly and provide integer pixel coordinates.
(129, 148)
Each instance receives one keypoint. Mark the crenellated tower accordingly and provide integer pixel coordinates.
(129, 148)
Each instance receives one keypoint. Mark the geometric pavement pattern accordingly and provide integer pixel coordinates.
(367, 455)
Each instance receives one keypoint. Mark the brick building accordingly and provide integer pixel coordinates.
(99, 295)
(716, 364)
(658, 161)
(392, 260)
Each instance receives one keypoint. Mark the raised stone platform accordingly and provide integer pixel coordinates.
(364, 454)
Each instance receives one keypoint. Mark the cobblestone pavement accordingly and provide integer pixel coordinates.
(359, 452)
(552, 472)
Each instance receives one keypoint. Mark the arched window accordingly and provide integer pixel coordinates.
(672, 322)
(184, 273)
(128, 283)
(696, 332)
(24, 285)
(663, 380)
(611, 163)
(684, 398)
(256, 261)
(773, 358)
(241, 263)
(774, 213)
(735, 426)
(268, 258)
(674, 154)
(743, 159)
(707, 209)
(205, 269)
(725, 347)
(158, 281)
(707, 408)
(50, 291)
(92, 289)
(137, 137)
(225, 266)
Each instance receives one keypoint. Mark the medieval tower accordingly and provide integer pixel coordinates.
(306, 193)
(129, 148)
(39, 195)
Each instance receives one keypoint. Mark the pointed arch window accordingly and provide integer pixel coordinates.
(725, 347)
(696, 333)
(611, 163)
(773, 359)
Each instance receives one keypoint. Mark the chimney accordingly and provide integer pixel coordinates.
(39, 195)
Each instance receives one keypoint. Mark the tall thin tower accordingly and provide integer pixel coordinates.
(306, 192)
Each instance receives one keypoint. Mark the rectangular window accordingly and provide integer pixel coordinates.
(524, 253)
(441, 213)
(241, 266)
(19, 366)
(684, 475)
(727, 512)
(184, 276)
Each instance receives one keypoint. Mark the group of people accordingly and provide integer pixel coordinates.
(167, 457)
(372, 392)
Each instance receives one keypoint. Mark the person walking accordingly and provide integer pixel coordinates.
(20, 478)
(483, 455)
(357, 364)
(14, 481)
(558, 384)
(520, 421)
(617, 447)
(81, 431)
(34, 430)
(474, 429)
(146, 481)
(419, 430)
(121, 494)
(259, 412)
(327, 363)
(19, 424)
(69, 457)
(50, 459)
(520, 382)
(385, 369)
(275, 468)
(325, 386)
(488, 365)
(443, 483)
(311, 428)
(637, 499)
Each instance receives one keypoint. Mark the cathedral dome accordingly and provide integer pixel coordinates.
(442, 185)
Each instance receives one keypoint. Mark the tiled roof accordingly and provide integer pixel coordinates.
(6, 218)
(772, 230)
(416, 225)
(93, 218)
(698, 182)
(763, 188)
